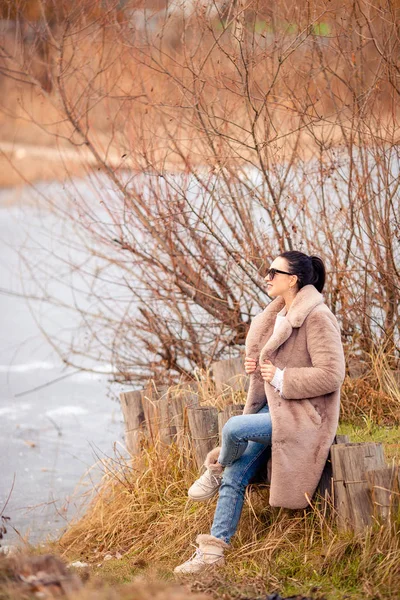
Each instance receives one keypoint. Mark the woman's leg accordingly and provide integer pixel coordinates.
(241, 429)
(235, 436)
(236, 477)
(231, 493)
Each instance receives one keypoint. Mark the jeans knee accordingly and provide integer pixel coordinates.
(231, 427)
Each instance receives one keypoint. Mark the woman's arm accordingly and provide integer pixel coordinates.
(327, 356)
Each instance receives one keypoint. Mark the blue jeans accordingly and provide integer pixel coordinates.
(246, 444)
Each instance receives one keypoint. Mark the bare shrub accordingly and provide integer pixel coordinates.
(214, 137)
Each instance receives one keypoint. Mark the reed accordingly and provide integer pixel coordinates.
(141, 513)
(138, 522)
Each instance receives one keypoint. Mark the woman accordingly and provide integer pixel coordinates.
(295, 359)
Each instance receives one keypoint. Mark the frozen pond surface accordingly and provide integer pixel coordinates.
(48, 440)
(50, 434)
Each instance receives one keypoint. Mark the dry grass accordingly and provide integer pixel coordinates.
(139, 523)
(375, 395)
(141, 516)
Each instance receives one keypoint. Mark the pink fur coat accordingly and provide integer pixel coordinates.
(305, 415)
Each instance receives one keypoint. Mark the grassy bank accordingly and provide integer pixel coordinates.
(143, 520)
(138, 524)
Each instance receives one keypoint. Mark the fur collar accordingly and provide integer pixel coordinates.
(305, 300)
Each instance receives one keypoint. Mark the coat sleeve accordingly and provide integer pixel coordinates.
(327, 356)
(256, 397)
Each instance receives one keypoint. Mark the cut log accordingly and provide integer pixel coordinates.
(180, 400)
(229, 411)
(203, 426)
(132, 409)
(177, 411)
(324, 493)
(188, 391)
(152, 409)
(164, 409)
(150, 413)
(385, 490)
(165, 429)
(352, 498)
(230, 374)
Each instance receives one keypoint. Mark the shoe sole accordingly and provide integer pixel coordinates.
(203, 498)
(204, 569)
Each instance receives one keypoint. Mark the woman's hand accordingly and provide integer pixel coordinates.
(250, 365)
(267, 370)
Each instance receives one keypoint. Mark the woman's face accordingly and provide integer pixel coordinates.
(279, 285)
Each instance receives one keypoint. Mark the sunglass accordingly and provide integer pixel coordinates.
(271, 272)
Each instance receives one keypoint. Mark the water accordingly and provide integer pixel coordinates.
(55, 423)
(50, 435)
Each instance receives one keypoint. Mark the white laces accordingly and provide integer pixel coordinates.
(199, 555)
(208, 479)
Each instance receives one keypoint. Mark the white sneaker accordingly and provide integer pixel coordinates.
(208, 555)
(200, 561)
(206, 486)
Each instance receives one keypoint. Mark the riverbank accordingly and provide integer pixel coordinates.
(141, 524)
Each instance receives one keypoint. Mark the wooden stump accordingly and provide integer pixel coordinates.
(203, 426)
(132, 409)
(155, 407)
(324, 493)
(352, 498)
(162, 410)
(229, 411)
(180, 401)
(166, 430)
(385, 490)
(230, 373)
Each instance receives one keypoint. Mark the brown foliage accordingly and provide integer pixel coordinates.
(217, 138)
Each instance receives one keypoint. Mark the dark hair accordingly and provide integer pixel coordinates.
(309, 269)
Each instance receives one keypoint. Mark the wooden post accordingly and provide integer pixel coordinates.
(385, 490)
(324, 493)
(180, 400)
(228, 412)
(230, 373)
(132, 409)
(352, 500)
(203, 426)
(165, 430)
(151, 408)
